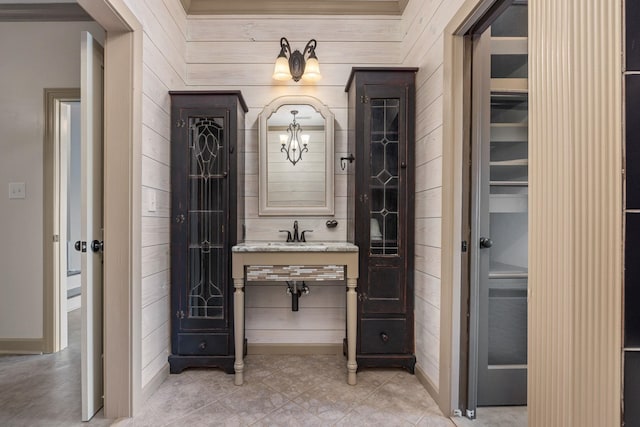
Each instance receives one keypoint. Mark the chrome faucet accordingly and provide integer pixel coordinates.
(295, 237)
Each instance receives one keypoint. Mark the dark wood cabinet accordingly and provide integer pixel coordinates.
(380, 221)
(207, 208)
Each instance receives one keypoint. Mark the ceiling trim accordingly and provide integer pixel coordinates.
(42, 12)
(294, 7)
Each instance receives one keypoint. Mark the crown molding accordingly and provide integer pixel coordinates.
(294, 7)
(41, 12)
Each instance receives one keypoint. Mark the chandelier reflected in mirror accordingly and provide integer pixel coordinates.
(291, 143)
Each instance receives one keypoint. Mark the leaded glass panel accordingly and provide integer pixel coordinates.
(206, 257)
(383, 182)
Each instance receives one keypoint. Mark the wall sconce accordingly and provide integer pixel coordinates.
(291, 142)
(296, 67)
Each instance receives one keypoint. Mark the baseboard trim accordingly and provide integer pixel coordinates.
(153, 385)
(333, 349)
(21, 346)
(428, 385)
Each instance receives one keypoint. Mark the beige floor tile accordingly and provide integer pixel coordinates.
(290, 415)
(498, 416)
(279, 390)
(254, 402)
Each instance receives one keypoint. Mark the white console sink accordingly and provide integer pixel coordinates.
(303, 258)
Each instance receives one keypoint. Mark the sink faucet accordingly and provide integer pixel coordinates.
(296, 237)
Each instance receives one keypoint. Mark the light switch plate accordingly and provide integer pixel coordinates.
(17, 190)
(151, 202)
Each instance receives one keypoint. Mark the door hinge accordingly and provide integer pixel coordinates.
(180, 314)
(362, 296)
(180, 124)
(364, 99)
(56, 237)
(465, 246)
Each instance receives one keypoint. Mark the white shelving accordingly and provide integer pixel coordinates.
(508, 203)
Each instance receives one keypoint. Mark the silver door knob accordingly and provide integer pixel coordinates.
(485, 242)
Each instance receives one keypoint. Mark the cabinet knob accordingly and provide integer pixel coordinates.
(203, 345)
(384, 337)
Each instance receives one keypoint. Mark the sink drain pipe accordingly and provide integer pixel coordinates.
(296, 292)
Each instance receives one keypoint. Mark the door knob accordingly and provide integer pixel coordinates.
(97, 246)
(485, 242)
(80, 246)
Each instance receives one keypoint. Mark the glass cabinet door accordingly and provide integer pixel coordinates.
(200, 186)
(207, 193)
(384, 179)
(384, 197)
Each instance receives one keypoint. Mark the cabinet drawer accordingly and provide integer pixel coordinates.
(384, 336)
(203, 344)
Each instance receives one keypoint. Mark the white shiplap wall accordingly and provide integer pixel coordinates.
(164, 45)
(238, 53)
(423, 25)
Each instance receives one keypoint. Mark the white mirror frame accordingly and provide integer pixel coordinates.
(328, 208)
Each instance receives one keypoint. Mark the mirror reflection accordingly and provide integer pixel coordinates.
(295, 174)
(296, 158)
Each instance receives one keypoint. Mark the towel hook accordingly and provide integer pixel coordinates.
(342, 161)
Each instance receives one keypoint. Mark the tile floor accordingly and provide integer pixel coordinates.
(302, 390)
(44, 390)
(293, 390)
(499, 416)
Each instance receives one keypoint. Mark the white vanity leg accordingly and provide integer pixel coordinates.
(352, 309)
(238, 328)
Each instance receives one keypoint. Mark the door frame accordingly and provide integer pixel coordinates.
(122, 207)
(54, 219)
(455, 156)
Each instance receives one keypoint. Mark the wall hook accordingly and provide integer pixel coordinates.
(342, 161)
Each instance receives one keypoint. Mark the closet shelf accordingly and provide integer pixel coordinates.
(513, 162)
(509, 183)
(509, 85)
(509, 45)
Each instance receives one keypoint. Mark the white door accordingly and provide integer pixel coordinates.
(91, 220)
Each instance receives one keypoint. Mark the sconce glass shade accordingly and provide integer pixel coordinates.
(312, 70)
(281, 69)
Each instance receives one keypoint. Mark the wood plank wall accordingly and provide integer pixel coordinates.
(238, 53)
(423, 46)
(164, 46)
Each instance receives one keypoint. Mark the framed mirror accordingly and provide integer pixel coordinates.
(296, 157)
